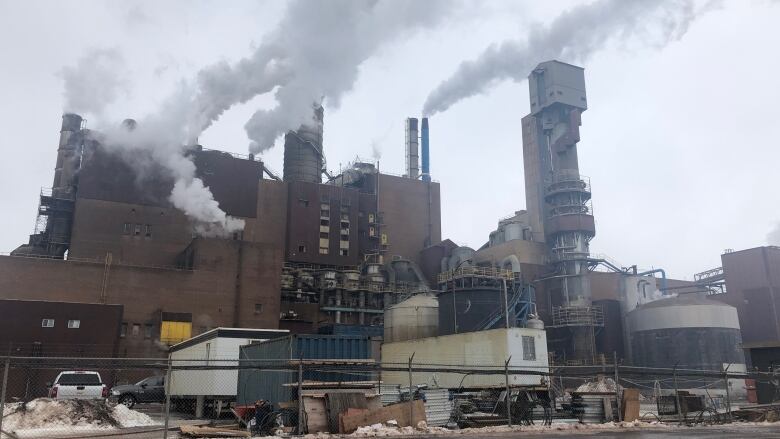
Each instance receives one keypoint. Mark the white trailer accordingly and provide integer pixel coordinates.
(526, 348)
(218, 347)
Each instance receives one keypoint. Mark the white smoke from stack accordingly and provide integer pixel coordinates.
(573, 36)
(773, 237)
(159, 141)
(314, 55)
(94, 82)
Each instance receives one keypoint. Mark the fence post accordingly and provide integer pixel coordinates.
(411, 395)
(677, 394)
(300, 397)
(2, 391)
(167, 397)
(508, 399)
(617, 386)
(728, 396)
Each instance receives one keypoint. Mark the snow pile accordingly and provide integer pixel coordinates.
(602, 385)
(131, 418)
(66, 415)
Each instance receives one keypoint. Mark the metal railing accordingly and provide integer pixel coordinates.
(462, 272)
(577, 316)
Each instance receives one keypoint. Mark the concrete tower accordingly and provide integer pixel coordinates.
(558, 202)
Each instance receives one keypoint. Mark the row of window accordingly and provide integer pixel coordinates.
(137, 229)
(49, 323)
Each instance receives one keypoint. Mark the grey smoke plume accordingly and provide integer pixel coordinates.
(314, 55)
(95, 82)
(773, 237)
(573, 36)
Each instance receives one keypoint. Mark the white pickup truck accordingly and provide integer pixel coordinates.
(78, 384)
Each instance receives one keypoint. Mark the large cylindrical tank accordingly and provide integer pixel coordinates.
(689, 330)
(303, 151)
(467, 310)
(414, 318)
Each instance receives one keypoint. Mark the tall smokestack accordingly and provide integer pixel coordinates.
(303, 156)
(412, 149)
(426, 170)
(67, 155)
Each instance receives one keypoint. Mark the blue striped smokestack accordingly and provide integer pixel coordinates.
(426, 163)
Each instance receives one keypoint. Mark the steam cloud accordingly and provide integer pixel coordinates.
(574, 36)
(160, 137)
(94, 82)
(773, 237)
(313, 55)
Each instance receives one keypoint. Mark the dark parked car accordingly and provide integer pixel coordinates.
(151, 389)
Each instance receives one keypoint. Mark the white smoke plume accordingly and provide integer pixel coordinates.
(314, 55)
(773, 237)
(95, 82)
(573, 36)
(159, 141)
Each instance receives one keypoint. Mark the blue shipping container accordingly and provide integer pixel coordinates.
(269, 368)
(341, 329)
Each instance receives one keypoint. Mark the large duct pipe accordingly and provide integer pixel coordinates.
(426, 170)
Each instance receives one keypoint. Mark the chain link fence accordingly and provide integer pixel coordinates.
(158, 397)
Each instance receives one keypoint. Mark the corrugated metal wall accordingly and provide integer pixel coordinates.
(267, 381)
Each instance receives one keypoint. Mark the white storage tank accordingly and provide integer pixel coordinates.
(416, 317)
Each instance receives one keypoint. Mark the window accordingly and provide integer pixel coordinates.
(136, 329)
(148, 230)
(344, 237)
(324, 213)
(529, 348)
(344, 252)
(258, 308)
(47, 323)
(148, 329)
(324, 235)
(324, 222)
(123, 330)
(304, 203)
(323, 250)
(126, 228)
(137, 230)
(74, 324)
(301, 249)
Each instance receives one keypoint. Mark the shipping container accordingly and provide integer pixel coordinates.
(218, 347)
(343, 329)
(526, 347)
(270, 377)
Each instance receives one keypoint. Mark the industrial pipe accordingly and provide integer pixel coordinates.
(663, 277)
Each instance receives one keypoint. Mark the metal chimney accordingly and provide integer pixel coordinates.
(412, 149)
(426, 170)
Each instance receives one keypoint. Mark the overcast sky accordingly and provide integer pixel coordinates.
(680, 142)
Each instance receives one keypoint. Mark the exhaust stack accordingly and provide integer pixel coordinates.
(426, 171)
(412, 149)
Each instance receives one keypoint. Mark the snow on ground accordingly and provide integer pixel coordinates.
(44, 416)
(383, 430)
